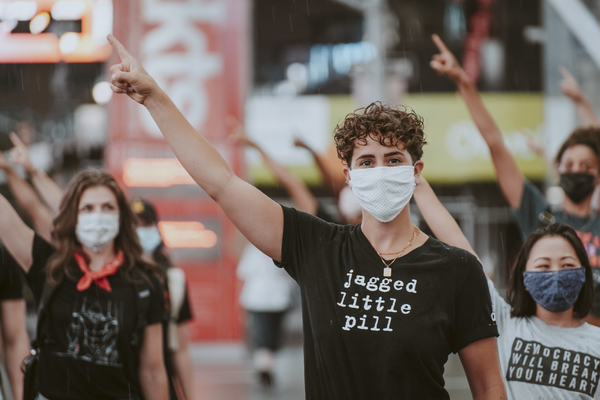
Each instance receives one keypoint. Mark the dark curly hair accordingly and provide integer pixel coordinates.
(521, 302)
(589, 136)
(385, 124)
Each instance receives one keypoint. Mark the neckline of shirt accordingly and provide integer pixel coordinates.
(374, 256)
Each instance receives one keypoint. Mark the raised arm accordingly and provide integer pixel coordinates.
(439, 220)
(28, 200)
(301, 196)
(50, 192)
(571, 89)
(509, 176)
(321, 162)
(258, 217)
(15, 235)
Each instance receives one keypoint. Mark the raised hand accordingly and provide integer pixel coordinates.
(445, 63)
(129, 76)
(19, 153)
(301, 143)
(237, 133)
(4, 164)
(569, 85)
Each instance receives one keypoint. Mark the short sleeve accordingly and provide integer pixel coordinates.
(474, 319)
(41, 253)
(501, 307)
(304, 236)
(185, 313)
(533, 203)
(11, 277)
(156, 308)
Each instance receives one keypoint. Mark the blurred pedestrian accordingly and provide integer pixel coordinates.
(578, 161)
(100, 304)
(369, 333)
(266, 295)
(177, 358)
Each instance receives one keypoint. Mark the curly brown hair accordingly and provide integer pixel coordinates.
(63, 234)
(589, 136)
(385, 124)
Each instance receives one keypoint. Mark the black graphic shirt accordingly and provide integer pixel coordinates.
(533, 203)
(370, 337)
(541, 361)
(90, 355)
(11, 277)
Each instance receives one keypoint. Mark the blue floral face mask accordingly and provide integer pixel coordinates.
(556, 291)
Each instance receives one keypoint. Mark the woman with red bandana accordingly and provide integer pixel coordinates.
(101, 304)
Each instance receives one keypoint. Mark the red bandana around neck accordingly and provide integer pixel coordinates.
(97, 276)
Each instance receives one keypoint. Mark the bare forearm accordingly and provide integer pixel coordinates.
(301, 196)
(200, 159)
(51, 193)
(479, 113)
(154, 383)
(586, 113)
(184, 370)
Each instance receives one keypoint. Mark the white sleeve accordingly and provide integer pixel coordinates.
(501, 307)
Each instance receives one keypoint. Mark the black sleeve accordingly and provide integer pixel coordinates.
(533, 203)
(185, 313)
(11, 277)
(41, 253)
(156, 308)
(473, 315)
(303, 234)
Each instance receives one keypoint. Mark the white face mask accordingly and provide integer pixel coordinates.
(149, 237)
(383, 191)
(96, 230)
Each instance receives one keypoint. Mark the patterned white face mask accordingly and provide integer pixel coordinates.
(96, 230)
(383, 191)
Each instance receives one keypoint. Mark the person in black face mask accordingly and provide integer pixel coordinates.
(578, 165)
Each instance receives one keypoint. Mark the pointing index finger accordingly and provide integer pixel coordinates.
(121, 50)
(439, 43)
(16, 140)
(565, 73)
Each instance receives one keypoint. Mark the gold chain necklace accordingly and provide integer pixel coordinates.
(387, 271)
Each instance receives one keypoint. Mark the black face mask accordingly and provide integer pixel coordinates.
(577, 186)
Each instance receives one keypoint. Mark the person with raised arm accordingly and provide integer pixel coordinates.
(383, 304)
(100, 305)
(578, 161)
(550, 290)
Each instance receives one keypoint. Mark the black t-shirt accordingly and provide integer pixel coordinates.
(370, 337)
(11, 277)
(90, 355)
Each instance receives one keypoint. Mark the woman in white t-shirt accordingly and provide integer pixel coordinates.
(546, 350)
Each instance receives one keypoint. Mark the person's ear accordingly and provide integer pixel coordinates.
(346, 171)
(419, 165)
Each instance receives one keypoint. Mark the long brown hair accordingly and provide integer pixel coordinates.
(63, 234)
(519, 298)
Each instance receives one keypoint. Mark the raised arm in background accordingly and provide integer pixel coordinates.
(510, 178)
(50, 192)
(301, 196)
(571, 89)
(439, 220)
(15, 342)
(28, 200)
(16, 236)
(321, 162)
(258, 218)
